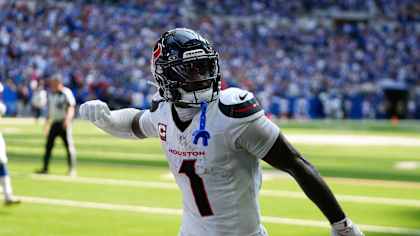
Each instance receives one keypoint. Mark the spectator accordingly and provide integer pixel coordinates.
(105, 48)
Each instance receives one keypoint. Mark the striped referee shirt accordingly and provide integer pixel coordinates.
(58, 103)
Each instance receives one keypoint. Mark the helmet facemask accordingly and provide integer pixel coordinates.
(189, 82)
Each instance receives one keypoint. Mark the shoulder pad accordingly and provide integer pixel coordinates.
(238, 103)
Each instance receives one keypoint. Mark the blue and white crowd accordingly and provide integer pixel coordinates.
(303, 59)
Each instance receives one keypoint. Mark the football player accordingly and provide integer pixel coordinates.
(4, 176)
(214, 141)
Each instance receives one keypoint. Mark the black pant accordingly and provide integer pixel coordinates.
(57, 129)
(37, 112)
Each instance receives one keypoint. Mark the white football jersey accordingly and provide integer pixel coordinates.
(3, 156)
(219, 182)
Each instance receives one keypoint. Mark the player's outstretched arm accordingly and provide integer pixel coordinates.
(284, 156)
(122, 123)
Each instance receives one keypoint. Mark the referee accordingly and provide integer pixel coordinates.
(61, 107)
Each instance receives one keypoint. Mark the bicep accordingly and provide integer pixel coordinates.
(282, 154)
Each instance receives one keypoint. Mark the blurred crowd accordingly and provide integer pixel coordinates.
(297, 57)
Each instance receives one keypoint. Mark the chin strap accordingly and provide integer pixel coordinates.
(202, 132)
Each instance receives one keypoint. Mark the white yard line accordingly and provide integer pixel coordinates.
(107, 155)
(354, 140)
(267, 193)
(275, 174)
(347, 198)
(103, 181)
(19, 121)
(177, 212)
(375, 182)
(322, 224)
(102, 206)
(407, 165)
(10, 130)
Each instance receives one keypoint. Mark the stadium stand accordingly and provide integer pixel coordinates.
(303, 59)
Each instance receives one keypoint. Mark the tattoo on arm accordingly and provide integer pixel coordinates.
(135, 126)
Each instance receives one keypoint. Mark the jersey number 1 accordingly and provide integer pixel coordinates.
(197, 187)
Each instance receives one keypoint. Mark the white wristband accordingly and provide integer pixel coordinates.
(342, 224)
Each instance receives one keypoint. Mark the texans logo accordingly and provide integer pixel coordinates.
(157, 52)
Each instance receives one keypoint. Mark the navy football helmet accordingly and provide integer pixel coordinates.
(186, 68)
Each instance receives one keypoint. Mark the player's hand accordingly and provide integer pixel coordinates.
(345, 228)
(96, 112)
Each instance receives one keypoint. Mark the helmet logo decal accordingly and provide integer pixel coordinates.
(157, 52)
(193, 53)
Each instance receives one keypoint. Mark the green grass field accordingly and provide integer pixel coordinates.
(124, 186)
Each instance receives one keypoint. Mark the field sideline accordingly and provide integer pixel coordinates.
(124, 187)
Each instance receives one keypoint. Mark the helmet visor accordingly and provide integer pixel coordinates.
(197, 86)
(193, 75)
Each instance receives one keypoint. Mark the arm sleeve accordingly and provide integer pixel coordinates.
(119, 123)
(147, 125)
(129, 123)
(258, 136)
(285, 157)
